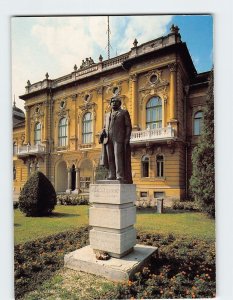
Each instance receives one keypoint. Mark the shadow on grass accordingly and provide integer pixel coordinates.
(166, 210)
(62, 215)
(16, 225)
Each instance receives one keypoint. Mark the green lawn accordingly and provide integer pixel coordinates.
(63, 218)
(189, 224)
(192, 225)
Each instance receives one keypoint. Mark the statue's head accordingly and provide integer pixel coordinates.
(115, 103)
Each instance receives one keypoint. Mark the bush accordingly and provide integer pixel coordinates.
(70, 199)
(185, 205)
(37, 197)
(15, 204)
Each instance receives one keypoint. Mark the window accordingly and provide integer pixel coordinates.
(153, 78)
(30, 168)
(14, 148)
(37, 166)
(145, 166)
(197, 125)
(115, 91)
(154, 113)
(62, 132)
(87, 129)
(85, 183)
(14, 172)
(159, 165)
(143, 194)
(37, 134)
(158, 194)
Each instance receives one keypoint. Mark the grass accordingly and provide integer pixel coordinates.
(63, 218)
(186, 224)
(72, 285)
(189, 224)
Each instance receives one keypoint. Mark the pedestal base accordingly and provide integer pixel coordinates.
(114, 269)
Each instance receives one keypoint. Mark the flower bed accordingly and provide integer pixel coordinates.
(37, 260)
(183, 269)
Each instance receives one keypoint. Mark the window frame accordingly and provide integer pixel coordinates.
(154, 117)
(87, 128)
(63, 132)
(159, 166)
(145, 161)
(197, 123)
(37, 133)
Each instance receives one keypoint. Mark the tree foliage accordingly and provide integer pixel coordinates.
(202, 182)
(38, 197)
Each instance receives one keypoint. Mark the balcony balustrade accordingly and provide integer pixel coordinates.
(152, 135)
(28, 149)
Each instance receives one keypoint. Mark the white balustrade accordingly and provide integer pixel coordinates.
(28, 149)
(152, 134)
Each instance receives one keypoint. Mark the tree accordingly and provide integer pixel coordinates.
(202, 182)
(37, 197)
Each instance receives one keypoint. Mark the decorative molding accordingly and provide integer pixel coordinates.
(99, 90)
(37, 114)
(87, 106)
(160, 91)
(133, 77)
(171, 145)
(173, 67)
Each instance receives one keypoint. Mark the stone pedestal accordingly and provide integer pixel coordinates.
(112, 217)
(116, 269)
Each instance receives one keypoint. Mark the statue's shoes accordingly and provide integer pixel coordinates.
(121, 180)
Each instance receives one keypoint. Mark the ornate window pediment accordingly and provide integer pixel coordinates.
(154, 80)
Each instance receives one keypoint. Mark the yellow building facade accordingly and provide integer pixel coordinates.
(158, 85)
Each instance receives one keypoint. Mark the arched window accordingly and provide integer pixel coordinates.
(145, 166)
(14, 148)
(37, 134)
(62, 132)
(154, 113)
(87, 128)
(197, 123)
(159, 166)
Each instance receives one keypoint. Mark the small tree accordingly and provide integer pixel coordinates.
(37, 197)
(202, 182)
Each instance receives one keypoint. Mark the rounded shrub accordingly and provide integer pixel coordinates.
(37, 197)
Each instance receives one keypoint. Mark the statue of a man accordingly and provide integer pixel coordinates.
(115, 137)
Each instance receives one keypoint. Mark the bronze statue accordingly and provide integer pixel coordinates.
(115, 137)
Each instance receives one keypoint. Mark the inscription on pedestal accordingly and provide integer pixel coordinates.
(112, 193)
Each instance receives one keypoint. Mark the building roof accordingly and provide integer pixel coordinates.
(165, 44)
(18, 116)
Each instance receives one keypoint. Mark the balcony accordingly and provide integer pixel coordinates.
(150, 135)
(31, 150)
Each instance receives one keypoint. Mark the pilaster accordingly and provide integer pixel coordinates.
(134, 117)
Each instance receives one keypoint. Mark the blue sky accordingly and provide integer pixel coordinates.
(55, 44)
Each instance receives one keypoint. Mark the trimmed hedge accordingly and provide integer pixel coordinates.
(186, 205)
(37, 197)
(72, 200)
